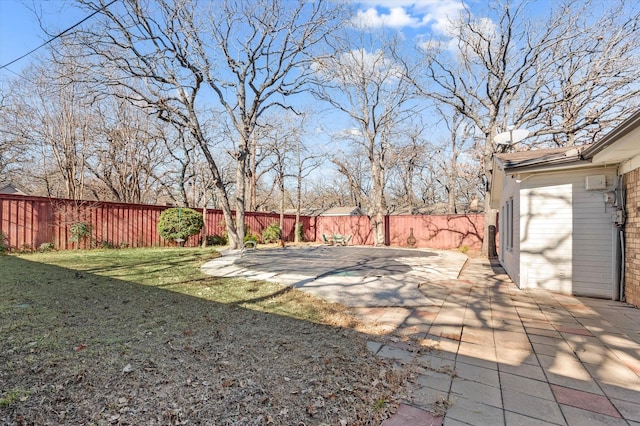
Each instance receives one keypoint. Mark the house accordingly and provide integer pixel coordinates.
(343, 211)
(9, 188)
(570, 217)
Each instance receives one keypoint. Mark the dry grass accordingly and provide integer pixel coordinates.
(143, 337)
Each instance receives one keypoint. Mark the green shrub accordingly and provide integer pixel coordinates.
(79, 231)
(300, 231)
(106, 244)
(271, 233)
(179, 223)
(249, 236)
(217, 240)
(4, 247)
(44, 247)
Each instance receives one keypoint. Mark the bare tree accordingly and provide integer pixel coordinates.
(248, 55)
(128, 156)
(305, 164)
(279, 142)
(49, 115)
(446, 156)
(409, 155)
(592, 72)
(10, 147)
(260, 166)
(369, 86)
(351, 166)
(502, 71)
(486, 73)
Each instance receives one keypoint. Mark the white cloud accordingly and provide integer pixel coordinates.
(353, 67)
(396, 18)
(407, 14)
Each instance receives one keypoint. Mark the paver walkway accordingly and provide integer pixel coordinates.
(485, 352)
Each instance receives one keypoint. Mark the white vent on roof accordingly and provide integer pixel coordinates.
(596, 182)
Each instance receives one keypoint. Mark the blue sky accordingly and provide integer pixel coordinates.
(20, 31)
(416, 20)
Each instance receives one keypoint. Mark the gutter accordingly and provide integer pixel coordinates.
(568, 159)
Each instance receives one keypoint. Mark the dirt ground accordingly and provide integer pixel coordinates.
(78, 348)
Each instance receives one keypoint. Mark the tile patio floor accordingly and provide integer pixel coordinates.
(488, 353)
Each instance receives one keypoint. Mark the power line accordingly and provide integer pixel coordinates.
(58, 35)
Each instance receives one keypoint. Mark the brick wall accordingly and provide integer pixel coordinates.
(632, 238)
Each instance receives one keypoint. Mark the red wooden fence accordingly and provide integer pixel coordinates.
(439, 232)
(28, 222)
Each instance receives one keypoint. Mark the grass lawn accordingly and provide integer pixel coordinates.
(142, 336)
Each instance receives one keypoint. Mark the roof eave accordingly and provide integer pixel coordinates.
(556, 164)
(618, 132)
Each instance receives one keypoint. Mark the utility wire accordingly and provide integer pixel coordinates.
(59, 35)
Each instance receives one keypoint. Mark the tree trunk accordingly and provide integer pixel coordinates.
(241, 186)
(296, 237)
(379, 205)
(490, 215)
(204, 219)
(282, 194)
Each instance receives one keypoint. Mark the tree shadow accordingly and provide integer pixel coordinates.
(76, 346)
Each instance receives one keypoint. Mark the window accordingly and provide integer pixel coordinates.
(511, 224)
(507, 228)
(503, 238)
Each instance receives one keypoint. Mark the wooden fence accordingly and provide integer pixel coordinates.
(439, 232)
(28, 222)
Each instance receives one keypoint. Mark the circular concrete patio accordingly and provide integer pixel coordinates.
(353, 276)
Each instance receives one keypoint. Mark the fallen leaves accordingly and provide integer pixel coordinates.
(172, 360)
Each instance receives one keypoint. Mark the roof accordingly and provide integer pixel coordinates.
(541, 157)
(618, 147)
(9, 188)
(343, 211)
(627, 126)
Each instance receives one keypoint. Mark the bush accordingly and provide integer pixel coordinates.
(248, 236)
(271, 233)
(79, 231)
(106, 244)
(217, 240)
(179, 223)
(300, 231)
(44, 247)
(4, 248)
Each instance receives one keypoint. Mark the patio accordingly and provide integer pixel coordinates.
(484, 351)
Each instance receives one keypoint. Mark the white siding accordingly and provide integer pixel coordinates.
(566, 235)
(509, 257)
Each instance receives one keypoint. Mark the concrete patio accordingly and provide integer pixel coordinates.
(484, 351)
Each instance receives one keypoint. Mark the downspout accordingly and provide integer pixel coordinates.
(619, 221)
(621, 296)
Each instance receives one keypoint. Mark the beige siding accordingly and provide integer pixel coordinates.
(566, 235)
